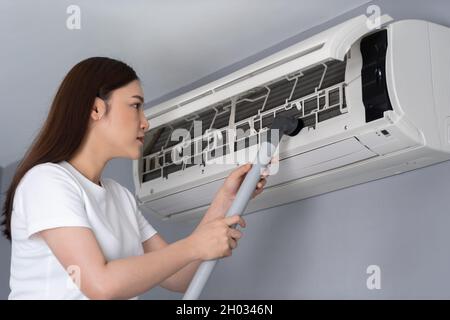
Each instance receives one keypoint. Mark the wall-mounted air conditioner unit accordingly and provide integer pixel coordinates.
(375, 102)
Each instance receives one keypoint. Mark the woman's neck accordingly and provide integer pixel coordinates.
(91, 166)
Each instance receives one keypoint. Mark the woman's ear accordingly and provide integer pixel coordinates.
(98, 109)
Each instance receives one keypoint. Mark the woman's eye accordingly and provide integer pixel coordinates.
(137, 105)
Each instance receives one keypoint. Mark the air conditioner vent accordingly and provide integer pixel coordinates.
(315, 95)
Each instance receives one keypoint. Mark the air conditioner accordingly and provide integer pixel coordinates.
(375, 102)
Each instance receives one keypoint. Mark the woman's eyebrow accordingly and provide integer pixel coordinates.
(139, 97)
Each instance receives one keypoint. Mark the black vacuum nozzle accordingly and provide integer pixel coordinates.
(287, 125)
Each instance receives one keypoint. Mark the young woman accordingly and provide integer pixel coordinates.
(76, 235)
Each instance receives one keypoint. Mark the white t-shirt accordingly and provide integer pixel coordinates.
(54, 195)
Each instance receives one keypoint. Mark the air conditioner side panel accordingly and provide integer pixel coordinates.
(409, 77)
(440, 68)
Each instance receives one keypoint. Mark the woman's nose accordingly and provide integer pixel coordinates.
(144, 122)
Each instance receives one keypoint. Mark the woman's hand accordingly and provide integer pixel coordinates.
(216, 239)
(227, 193)
(236, 177)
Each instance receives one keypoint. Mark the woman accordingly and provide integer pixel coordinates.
(76, 235)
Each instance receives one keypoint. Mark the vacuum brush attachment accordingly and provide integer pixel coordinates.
(286, 125)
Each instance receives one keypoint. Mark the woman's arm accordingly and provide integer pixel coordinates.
(223, 200)
(76, 248)
(180, 281)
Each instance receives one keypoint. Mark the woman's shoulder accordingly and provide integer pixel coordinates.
(47, 174)
(45, 182)
(47, 169)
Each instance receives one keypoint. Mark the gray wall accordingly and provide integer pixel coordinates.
(321, 247)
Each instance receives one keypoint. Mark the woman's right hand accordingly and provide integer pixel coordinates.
(216, 239)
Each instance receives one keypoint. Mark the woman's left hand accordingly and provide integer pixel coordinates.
(236, 177)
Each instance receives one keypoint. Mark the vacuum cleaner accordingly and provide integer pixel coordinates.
(283, 125)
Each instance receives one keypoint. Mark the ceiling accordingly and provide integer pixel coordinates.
(169, 43)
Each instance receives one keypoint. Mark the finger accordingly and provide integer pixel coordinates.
(257, 192)
(232, 243)
(261, 183)
(242, 170)
(232, 219)
(240, 221)
(235, 234)
(258, 189)
(265, 172)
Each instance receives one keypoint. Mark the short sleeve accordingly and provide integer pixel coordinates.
(49, 199)
(145, 229)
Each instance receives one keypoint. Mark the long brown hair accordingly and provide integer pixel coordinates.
(68, 118)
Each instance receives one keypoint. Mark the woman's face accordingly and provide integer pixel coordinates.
(124, 126)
